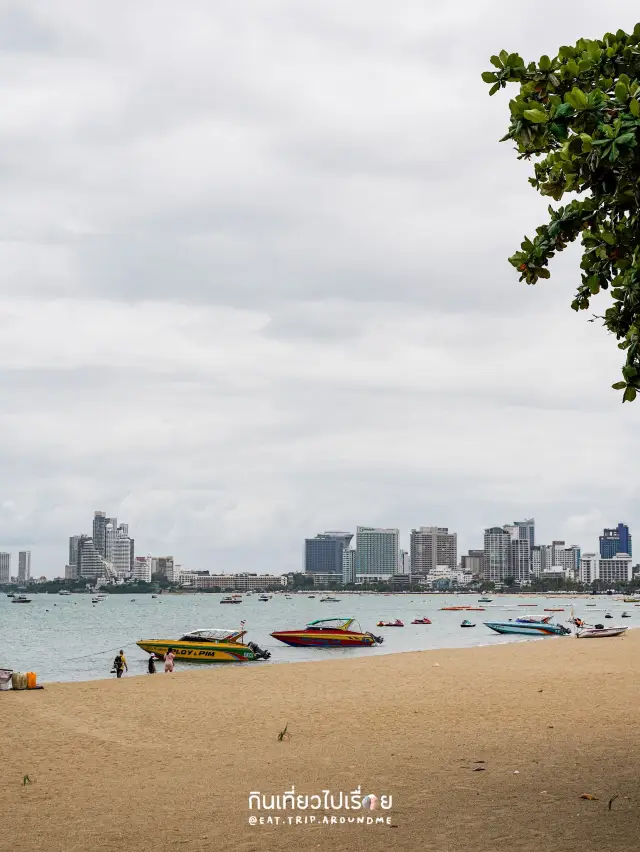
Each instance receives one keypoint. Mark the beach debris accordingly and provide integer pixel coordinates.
(284, 734)
(516, 772)
(26, 780)
(479, 768)
(589, 797)
(612, 799)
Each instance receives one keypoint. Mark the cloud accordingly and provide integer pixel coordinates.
(253, 283)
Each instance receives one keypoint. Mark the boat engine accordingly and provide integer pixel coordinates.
(377, 639)
(565, 630)
(258, 652)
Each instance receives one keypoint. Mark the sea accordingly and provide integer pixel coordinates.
(69, 638)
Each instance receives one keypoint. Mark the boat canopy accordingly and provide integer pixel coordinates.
(332, 623)
(218, 634)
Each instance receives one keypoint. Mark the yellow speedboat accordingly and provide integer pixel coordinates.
(207, 646)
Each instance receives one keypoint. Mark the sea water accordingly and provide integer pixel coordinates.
(68, 638)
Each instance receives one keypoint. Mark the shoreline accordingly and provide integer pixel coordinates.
(551, 721)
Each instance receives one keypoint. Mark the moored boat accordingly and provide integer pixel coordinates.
(421, 621)
(535, 629)
(21, 599)
(534, 619)
(467, 623)
(485, 600)
(230, 601)
(215, 645)
(328, 633)
(599, 632)
(396, 623)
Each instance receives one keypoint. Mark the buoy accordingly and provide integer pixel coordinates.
(31, 680)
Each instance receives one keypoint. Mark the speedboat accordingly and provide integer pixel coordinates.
(631, 600)
(608, 615)
(64, 592)
(466, 623)
(485, 600)
(230, 600)
(328, 632)
(263, 598)
(329, 599)
(10, 595)
(536, 629)
(310, 596)
(599, 632)
(21, 599)
(396, 623)
(207, 646)
(421, 621)
(625, 615)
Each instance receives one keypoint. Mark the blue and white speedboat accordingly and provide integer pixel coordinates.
(530, 629)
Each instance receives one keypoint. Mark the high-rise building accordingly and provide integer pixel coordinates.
(472, 562)
(519, 561)
(526, 530)
(565, 557)
(24, 566)
(324, 553)
(103, 540)
(74, 543)
(377, 552)
(163, 565)
(615, 569)
(432, 546)
(142, 569)
(348, 566)
(121, 552)
(615, 541)
(91, 564)
(404, 562)
(5, 568)
(497, 541)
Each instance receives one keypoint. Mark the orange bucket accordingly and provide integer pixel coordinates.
(31, 680)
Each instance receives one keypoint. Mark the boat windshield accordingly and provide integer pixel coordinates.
(334, 624)
(213, 635)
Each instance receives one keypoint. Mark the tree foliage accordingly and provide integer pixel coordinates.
(578, 114)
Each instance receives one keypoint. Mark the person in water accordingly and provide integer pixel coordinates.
(152, 664)
(168, 660)
(120, 664)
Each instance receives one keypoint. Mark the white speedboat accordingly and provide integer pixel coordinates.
(599, 632)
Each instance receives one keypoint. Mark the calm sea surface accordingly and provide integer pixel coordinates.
(69, 638)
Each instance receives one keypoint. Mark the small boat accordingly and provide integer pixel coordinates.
(485, 600)
(311, 597)
(421, 621)
(629, 600)
(328, 632)
(534, 605)
(466, 623)
(396, 623)
(10, 595)
(474, 608)
(153, 596)
(626, 615)
(329, 599)
(230, 601)
(608, 615)
(64, 592)
(524, 629)
(590, 604)
(207, 646)
(554, 610)
(21, 599)
(599, 632)
(452, 608)
(263, 598)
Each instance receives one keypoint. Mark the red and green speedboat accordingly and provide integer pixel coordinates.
(328, 633)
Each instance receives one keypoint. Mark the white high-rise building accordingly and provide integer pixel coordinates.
(141, 569)
(519, 565)
(348, 566)
(432, 546)
(377, 552)
(497, 542)
(615, 570)
(24, 566)
(122, 546)
(5, 568)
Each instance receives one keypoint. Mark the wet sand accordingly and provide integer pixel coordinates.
(167, 762)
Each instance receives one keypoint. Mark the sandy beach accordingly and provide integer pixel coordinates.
(167, 762)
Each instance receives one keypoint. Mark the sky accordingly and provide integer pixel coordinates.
(254, 283)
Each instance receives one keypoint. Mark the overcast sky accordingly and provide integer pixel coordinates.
(254, 282)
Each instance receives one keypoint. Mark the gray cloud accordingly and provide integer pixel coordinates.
(253, 282)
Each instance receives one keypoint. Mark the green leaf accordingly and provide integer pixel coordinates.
(495, 60)
(634, 108)
(566, 52)
(537, 116)
(626, 139)
(543, 273)
(489, 77)
(619, 385)
(545, 63)
(629, 394)
(493, 90)
(621, 91)
(608, 238)
(563, 110)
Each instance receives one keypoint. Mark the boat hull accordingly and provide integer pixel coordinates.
(324, 638)
(601, 634)
(526, 629)
(200, 652)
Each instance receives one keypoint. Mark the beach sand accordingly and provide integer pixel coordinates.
(167, 762)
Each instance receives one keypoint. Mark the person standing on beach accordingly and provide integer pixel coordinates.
(152, 664)
(120, 663)
(168, 660)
